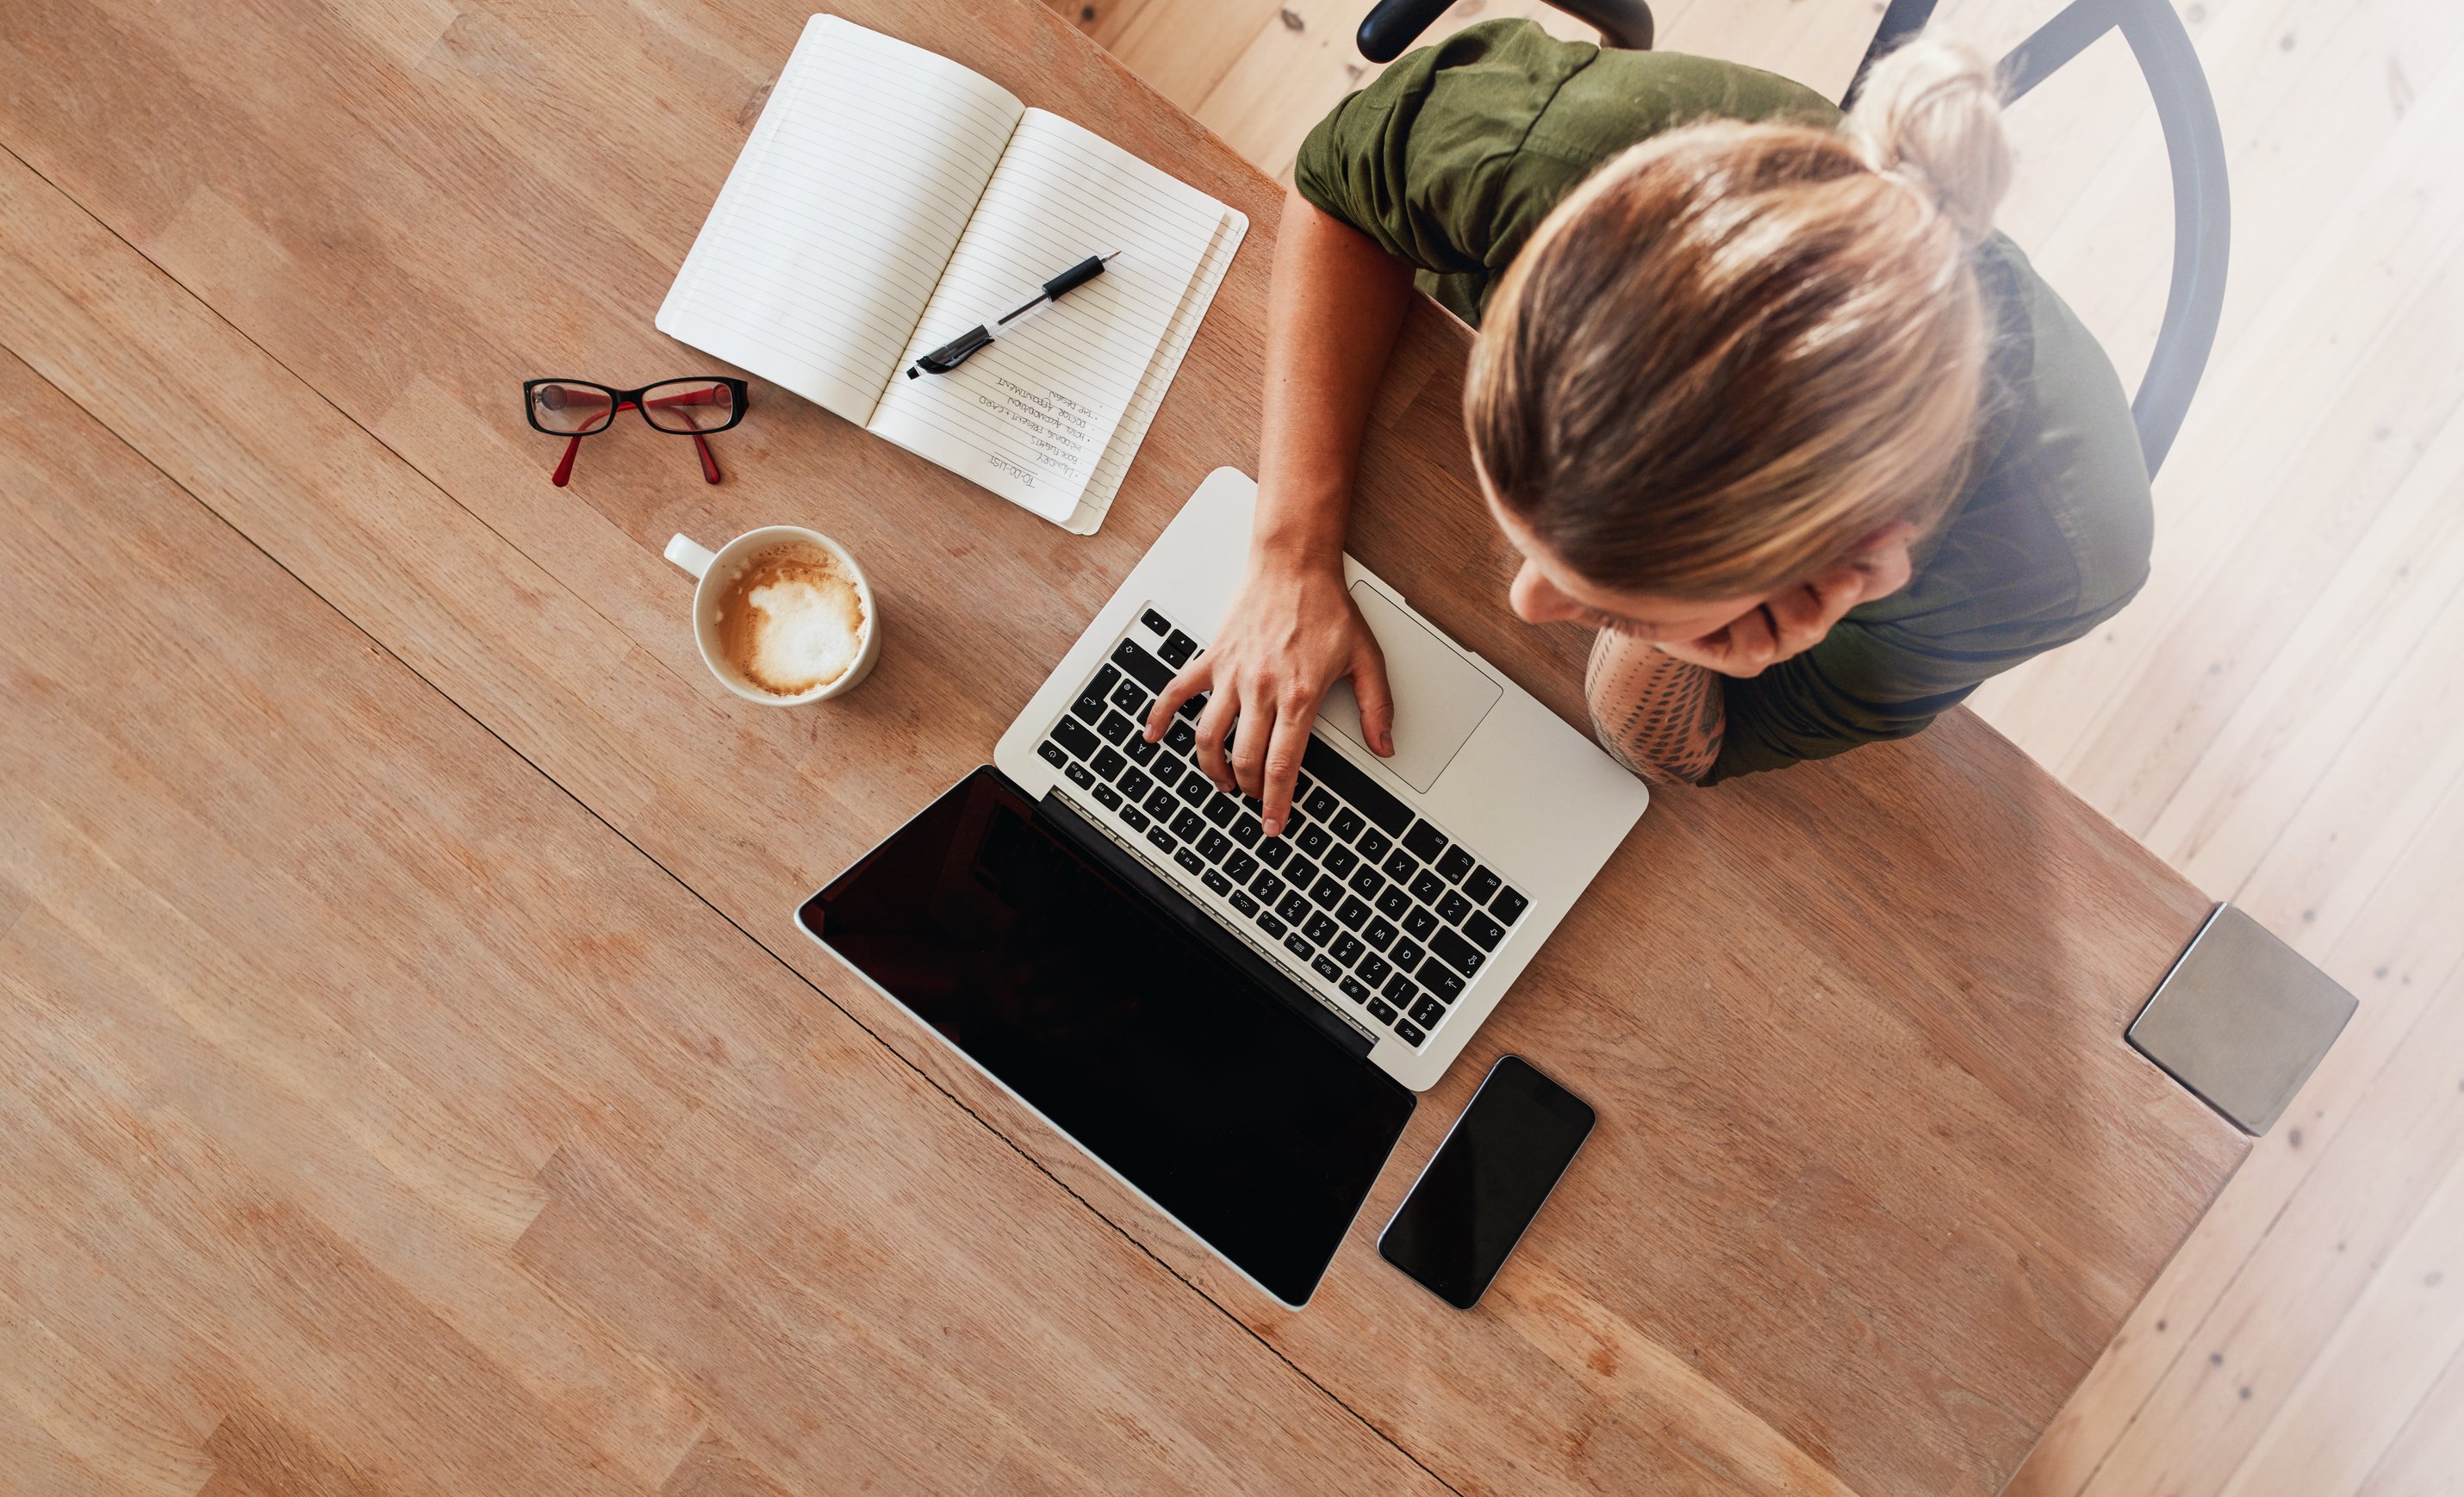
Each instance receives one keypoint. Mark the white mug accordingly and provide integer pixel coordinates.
(716, 569)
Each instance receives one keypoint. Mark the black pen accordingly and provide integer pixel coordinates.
(957, 350)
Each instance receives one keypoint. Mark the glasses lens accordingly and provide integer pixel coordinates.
(689, 405)
(571, 409)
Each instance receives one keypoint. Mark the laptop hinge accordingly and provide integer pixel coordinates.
(1066, 818)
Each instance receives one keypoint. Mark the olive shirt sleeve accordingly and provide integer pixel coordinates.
(1454, 155)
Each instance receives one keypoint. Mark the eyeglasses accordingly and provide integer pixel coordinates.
(578, 408)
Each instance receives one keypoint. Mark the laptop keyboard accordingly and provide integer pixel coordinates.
(1375, 903)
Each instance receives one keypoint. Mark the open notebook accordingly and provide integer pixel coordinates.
(888, 200)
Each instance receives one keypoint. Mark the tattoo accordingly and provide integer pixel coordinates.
(1659, 716)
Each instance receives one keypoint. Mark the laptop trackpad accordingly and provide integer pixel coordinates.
(1440, 696)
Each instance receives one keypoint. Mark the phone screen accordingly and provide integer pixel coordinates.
(1471, 1206)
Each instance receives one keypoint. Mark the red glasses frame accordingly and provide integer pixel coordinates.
(643, 400)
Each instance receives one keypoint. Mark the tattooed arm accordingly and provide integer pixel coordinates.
(1660, 716)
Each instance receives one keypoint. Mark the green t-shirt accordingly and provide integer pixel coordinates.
(1456, 153)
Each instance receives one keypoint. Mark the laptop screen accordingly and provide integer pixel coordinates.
(1157, 1054)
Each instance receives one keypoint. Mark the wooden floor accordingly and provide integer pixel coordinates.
(2278, 715)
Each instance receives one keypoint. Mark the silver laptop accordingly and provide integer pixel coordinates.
(1405, 893)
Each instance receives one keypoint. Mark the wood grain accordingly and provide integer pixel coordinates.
(1877, 1179)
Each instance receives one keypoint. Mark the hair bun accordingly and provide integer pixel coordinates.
(1931, 115)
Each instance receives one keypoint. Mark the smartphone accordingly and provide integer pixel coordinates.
(1471, 1206)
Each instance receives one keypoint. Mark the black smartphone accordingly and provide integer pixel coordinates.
(1471, 1206)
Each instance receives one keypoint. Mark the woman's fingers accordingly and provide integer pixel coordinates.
(1195, 678)
(1213, 726)
(1377, 698)
(1283, 754)
(1250, 736)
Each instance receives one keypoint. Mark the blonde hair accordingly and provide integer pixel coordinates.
(1738, 349)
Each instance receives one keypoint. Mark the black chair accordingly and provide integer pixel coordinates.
(2185, 110)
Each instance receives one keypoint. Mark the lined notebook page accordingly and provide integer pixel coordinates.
(840, 213)
(1032, 417)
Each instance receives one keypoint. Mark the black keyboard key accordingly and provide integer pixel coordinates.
(1457, 952)
(1268, 887)
(1215, 880)
(1301, 871)
(1353, 914)
(1221, 809)
(1194, 788)
(1394, 902)
(1294, 906)
(1320, 929)
(1420, 921)
(1239, 867)
(1136, 819)
(1299, 947)
(1145, 669)
(1509, 906)
(1348, 823)
(1350, 781)
(1427, 888)
(1186, 825)
(1180, 738)
(1321, 804)
(1191, 708)
(1354, 989)
(1428, 1011)
(1379, 1011)
(1268, 923)
(1079, 776)
(1130, 700)
(1314, 840)
(1401, 866)
(1188, 860)
(1424, 841)
(1441, 979)
(1373, 844)
(1347, 949)
(1253, 806)
(1162, 802)
(1379, 934)
(1482, 884)
(1135, 782)
(1108, 763)
(1367, 882)
(1157, 623)
(1051, 753)
(1455, 865)
(1108, 798)
(1213, 845)
(1373, 968)
(1247, 829)
(1162, 839)
(1178, 650)
(1402, 990)
(1340, 861)
(1408, 1032)
(1453, 908)
(1485, 933)
(1407, 953)
(1327, 970)
(1243, 903)
(1167, 771)
(1075, 736)
(1106, 679)
(1115, 728)
(1139, 750)
(1273, 851)
(1089, 707)
(1326, 891)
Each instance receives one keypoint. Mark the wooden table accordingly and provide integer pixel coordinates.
(412, 1079)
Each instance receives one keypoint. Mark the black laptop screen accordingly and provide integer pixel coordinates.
(1161, 1058)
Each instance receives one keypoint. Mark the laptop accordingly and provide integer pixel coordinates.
(1233, 1025)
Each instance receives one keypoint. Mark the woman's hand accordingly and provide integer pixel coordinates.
(1292, 631)
(1791, 622)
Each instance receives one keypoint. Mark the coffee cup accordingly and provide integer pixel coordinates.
(772, 548)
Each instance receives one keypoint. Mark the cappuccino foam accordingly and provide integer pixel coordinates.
(791, 621)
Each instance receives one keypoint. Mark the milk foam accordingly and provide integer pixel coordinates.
(794, 622)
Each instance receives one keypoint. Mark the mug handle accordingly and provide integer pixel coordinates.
(682, 551)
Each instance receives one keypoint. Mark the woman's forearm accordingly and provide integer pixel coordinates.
(1662, 717)
(1336, 303)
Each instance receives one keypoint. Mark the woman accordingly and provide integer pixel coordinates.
(1757, 394)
